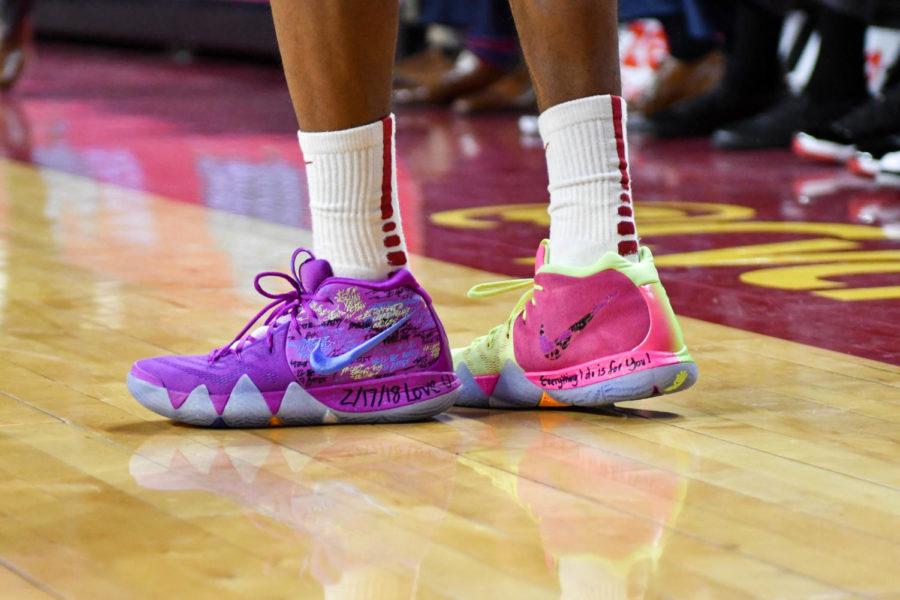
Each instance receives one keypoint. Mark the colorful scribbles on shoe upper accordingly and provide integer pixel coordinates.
(323, 364)
(554, 350)
(619, 339)
(384, 352)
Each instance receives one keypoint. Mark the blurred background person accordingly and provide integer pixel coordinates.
(752, 81)
(834, 110)
(471, 58)
(695, 63)
(15, 33)
(487, 73)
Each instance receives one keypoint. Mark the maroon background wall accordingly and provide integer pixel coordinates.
(230, 26)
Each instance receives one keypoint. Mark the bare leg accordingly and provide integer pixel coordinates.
(572, 47)
(572, 50)
(338, 56)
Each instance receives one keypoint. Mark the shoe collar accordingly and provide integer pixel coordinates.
(641, 272)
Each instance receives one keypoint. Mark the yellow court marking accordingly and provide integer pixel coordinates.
(838, 251)
(770, 477)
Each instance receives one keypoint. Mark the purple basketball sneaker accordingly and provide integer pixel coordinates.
(332, 350)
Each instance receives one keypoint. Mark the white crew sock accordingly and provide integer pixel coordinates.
(352, 181)
(590, 187)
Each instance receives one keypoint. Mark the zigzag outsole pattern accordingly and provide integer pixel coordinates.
(246, 407)
(514, 390)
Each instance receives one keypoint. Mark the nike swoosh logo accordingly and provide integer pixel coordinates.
(323, 364)
(555, 349)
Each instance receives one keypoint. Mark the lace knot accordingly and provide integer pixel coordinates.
(494, 288)
(283, 304)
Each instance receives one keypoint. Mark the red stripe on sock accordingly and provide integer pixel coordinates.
(626, 228)
(387, 170)
(620, 140)
(628, 247)
(396, 259)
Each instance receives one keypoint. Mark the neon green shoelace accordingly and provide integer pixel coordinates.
(495, 288)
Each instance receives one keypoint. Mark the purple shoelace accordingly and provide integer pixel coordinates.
(288, 303)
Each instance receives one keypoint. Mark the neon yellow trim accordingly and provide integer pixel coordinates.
(642, 272)
(493, 288)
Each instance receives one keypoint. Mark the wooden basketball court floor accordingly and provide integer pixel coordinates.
(777, 476)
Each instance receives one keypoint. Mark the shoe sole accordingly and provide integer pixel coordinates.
(515, 389)
(245, 406)
(812, 148)
(863, 166)
(888, 178)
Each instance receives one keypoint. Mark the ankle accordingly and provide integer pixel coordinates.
(353, 199)
(590, 184)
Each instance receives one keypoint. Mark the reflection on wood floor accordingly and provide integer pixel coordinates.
(777, 476)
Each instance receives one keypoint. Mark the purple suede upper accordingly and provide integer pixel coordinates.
(349, 311)
(269, 372)
(337, 313)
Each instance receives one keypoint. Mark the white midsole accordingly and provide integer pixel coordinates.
(824, 148)
(867, 163)
(888, 178)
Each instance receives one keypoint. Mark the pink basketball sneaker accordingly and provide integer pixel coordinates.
(332, 350)
(578, 337)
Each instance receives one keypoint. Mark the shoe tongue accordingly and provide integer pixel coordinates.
(314, 272)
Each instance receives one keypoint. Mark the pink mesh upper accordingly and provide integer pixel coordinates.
(576, 319)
